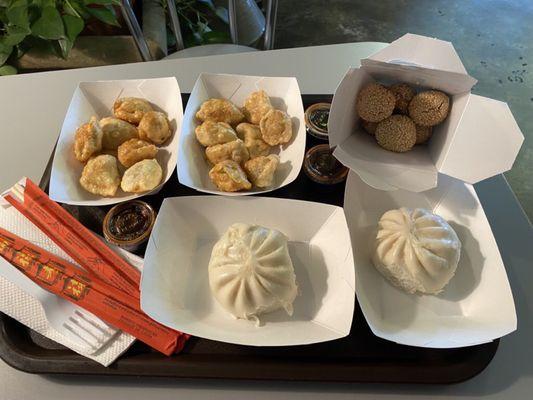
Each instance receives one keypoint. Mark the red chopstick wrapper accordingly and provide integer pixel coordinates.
(76, 240)
(103, 300)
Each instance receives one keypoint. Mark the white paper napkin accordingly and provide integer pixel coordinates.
(18, 293)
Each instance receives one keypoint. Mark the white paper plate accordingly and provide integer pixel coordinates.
(175, 286)
(477, 305)
(284, 93)
(97, 98)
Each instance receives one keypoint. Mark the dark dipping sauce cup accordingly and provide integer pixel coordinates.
(322, 167)
(316, 120)
(128, 225)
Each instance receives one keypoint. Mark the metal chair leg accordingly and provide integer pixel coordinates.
(136, 31)
(232, 12)
(176, 28)
(271, 14)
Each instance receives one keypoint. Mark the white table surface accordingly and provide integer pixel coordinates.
(31, 113)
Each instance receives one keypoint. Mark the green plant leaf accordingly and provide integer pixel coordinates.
(49, 25)
(4, 3)
(79, 8)
(7, 70)
(101, 2)
(14, 35)
(17, 13)
(208, 3)
(216, 37)
(73, 26)
(4, 57)
(105, 14)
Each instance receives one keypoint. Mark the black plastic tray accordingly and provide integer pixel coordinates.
(359, 357)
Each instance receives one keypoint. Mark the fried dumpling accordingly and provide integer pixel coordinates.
(256, 106)
(253, 139)
(235, 151)
(228, 176)
(220, 110)
(134, 150)
(260, 170)
(88, 140)
(131, 109)
(115, 132)
(100, 175)
(142, 176)
(154, 127)
(276, 127)
(210, 133)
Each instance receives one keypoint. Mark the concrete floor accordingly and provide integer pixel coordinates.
(494, 38)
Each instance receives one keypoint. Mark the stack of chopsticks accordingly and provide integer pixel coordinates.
(107, 286)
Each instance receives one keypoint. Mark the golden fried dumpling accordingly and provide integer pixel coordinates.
(131, 109)
(235, 151)
(88, 140)
(100, 175)
(220, 110)
(253, 140)
(261, 170)
(154, 127)
(276, 127)
(210, 133)
(134, 150)
(228, 176)
(142, 176)
(256, 106)
(115, 132)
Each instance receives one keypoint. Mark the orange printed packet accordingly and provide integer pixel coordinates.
(92, 294)
(75, 239)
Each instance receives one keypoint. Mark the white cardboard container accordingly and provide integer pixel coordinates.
(97, 98)
(479, 139)
(284, 93)
(175, 285)
(475, 307)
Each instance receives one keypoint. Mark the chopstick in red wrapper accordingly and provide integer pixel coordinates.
(106, 302)
(76, 240)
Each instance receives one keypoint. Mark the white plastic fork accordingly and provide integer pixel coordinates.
(86, 333)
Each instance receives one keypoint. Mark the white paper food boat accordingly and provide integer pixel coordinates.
(284, 94)
(97, 98)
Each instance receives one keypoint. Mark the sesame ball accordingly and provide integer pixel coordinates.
(404, 94)
(423, 133)
(397, 133)
(369, 127)
(429, 108)
(375, 102)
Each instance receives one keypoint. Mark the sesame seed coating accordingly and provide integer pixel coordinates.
(397, 133)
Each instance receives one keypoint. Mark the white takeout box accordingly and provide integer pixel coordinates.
(97, 98)
(479, 139)
(175, 285)
(284, 93)
(475, 307)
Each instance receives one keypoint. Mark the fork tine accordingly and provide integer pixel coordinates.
(77, 333)
(104, 328)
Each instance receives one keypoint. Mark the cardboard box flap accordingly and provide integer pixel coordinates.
(388, 73)
(422, 51)
(487, 128)
(418, 176)
(341, 123)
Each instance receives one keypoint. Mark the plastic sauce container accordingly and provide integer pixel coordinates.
(128, 225)
(322, 167)
(316, 120)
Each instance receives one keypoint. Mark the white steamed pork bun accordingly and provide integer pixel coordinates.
(251, 272)
(416, 250)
